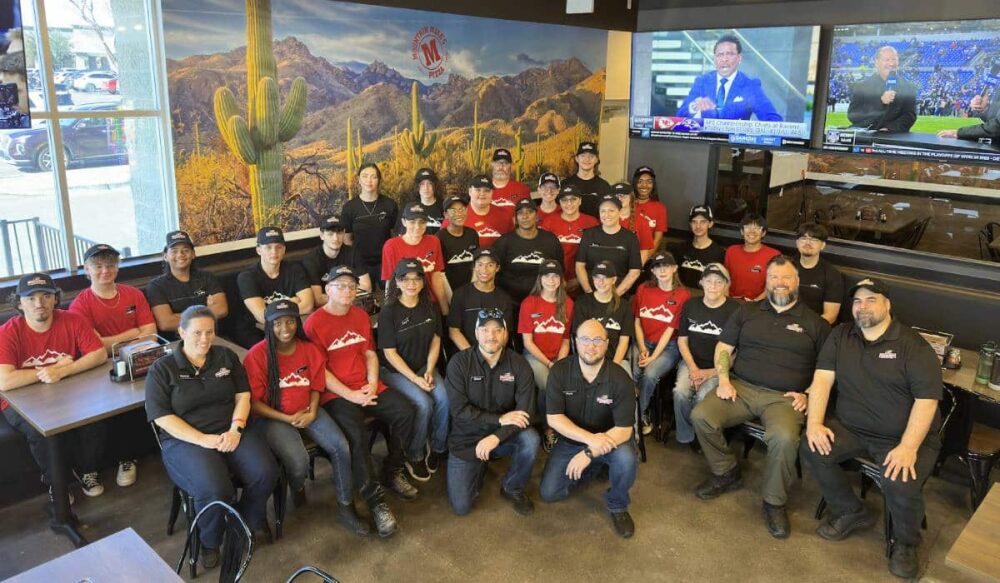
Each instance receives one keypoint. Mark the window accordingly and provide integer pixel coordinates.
(105, 175)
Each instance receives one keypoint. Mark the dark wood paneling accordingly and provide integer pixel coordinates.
(607, 15)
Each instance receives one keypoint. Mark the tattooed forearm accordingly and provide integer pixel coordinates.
(722, 362)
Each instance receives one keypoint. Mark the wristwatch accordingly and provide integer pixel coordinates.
(587, 453)
(239, 429)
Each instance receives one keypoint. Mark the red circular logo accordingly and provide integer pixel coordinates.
(429, 50)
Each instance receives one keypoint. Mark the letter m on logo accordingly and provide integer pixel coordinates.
(431, 54)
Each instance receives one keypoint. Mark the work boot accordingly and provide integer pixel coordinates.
(842, 526)
(716, 486)
(903, 561)
(776, 520)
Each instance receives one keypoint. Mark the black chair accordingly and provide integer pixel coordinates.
(237, 544)
(323, 575)
(987, 236)
(753, 433)
(640, 439)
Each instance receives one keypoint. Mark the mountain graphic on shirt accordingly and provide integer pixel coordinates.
(501, 202)
(695, 264)
(463, 257)
(488, 232)
(707, 327)
(349, 338)
(46, 358)
(610, 323)
(427, 264)
(535, 257)
(551, 325)
(274, 297)
(573, 239)
(660, 313)
(293, 380)
(433, 222)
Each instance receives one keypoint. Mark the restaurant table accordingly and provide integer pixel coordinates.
(82, 399)
(899, 221)
(123, 556)
(968, 396)
(977, 550)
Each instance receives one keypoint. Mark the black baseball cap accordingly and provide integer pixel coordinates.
(715, 269)
(269, 235)
(424, 174)
(485, 252)
(586, 148)
(548, 177)
(550, 266)
(414, 211)
(35, 282)
(279, 309)
(341, 271)
(605, 268)
(490, 314)
(644, 170)
(179, 238)
(481, 181)
(407, 265)
(871, 284)
(622, 189)
(609, 198)
(525, 203)
(701, 210)
(662, 258)
(453, 200)
(100, 249)
(569, 190)
(502, 154)
(332, 223)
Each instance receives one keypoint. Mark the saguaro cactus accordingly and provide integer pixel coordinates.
(415, 140)
(518, 156)
(477, 142)
(355, 158)
(256, 140)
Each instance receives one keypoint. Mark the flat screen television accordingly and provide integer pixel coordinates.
(749, 86)
(14, 111)
(920, 89)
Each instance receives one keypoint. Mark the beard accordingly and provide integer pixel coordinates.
(869, 319)
(591, 361)
(782, 300)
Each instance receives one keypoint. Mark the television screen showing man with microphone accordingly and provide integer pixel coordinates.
(922, 89)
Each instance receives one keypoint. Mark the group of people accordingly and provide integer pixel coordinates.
(442, 367)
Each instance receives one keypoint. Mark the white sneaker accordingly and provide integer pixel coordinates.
(647, 425)
(90, 483)
(126, 473)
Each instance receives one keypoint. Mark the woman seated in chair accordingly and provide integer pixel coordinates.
(199, 399)
(287, 376)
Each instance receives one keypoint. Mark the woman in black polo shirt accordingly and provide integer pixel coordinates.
(607, 307)
(199, 399)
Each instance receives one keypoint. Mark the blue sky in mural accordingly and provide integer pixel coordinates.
(342, 32)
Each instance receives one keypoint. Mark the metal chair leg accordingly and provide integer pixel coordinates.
(175, 509)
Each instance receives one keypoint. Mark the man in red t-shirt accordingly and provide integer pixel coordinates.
(506, 190)
(45, 344)
(747, 263)
(488, 221)
(343, 332)
(568, 227)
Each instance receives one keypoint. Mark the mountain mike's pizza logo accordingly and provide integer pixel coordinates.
(48, 357)
(551, 326)
(659, 313)
(571, 239)
(429, 50)
(349, 338)
(293, 380)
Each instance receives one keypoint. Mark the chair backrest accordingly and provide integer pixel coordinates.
(324, 576)
(237, 545)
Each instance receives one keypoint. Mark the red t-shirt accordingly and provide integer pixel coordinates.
(498, 221)
(70, 335)
(344, 339)
(655, 213)
(427, 252)
(748, 270)
(110, 317)
(298, 375)
(569, 234)
(658, 310)
(509, 195)
(538, 318)
(542, 215)
(641, 230)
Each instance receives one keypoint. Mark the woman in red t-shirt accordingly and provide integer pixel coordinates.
(647, 202)
(287, 375)
(632, 220)
(657, 308)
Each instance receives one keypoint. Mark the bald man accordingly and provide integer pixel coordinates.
(885, 101)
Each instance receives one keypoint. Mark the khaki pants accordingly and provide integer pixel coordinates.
(782, 425)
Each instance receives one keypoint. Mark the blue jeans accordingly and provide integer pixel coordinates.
(685, 398)
(432, 416)
(286, 443)
(622, 462)
(649, 377)
(465, 477)
(205, 475)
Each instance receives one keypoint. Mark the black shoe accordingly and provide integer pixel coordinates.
(695, 446)
(435, 459)
(209, 558)
(842, 526)
(776, 520)
(348, 518)
(622, 521)
(383, 519)
(719, 485)
(903, 561)
(522, 504)
(262, 536)
(418, 470)
(398, 483)
(299, 497)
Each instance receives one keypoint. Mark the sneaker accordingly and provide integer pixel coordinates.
(385, 522)
(435, 459)
(550, 440)
(842, 526)
(903, 561)
(348, 518)
(522, 504)
(52, 497)
(91, 483)
(718, 485)
(401, 486)
(209, 558)
(647, 424)
(776, 520)
(418, 470)
(126, 473)
(622, 521)
(299, 497)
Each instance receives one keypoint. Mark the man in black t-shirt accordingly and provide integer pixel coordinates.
(181, 286)
(701, 250)
(481, 293)
(776, 343)
(821, 286)
(521, 251)
(458, 243)
(888, 387)
(590, 403)
(592, 186)
(332, 253)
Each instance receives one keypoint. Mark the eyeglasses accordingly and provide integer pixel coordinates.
(587, 341)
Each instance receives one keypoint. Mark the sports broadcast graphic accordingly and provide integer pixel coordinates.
(749, 86)
(924, 89)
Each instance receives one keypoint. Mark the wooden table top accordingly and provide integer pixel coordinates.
(965, 377)
(81, 399)
(977, 549)
(896, 223)
(123, 556)
(995, 243)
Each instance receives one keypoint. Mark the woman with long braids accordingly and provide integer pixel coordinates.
(647, 202)
(287, 376)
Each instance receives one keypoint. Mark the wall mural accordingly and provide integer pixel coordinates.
(274, 103)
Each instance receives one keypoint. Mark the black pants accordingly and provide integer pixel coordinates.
(391, 408)
(85, 445)
(903, 500)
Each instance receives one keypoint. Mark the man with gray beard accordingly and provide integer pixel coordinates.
(765, 357)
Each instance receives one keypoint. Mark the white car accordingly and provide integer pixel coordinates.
(94, 81)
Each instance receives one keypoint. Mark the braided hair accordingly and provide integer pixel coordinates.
(273, 397)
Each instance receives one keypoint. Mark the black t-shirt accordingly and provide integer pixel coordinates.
(410, 331)
(617, 323)
(592, 191)
(519, 259)
(435, 216)
(621, 249)
(702, 326)
(691, 261)
(467, 302)
(457, 253)
(820, 284)
(606, 403)
(878, 381)
(254, 283)
(775, 350)
(180, 295)
(370, 225)
(205, 399)
(317, 264)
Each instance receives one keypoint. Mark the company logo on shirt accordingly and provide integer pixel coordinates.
(649, 220)
(887, 355)
(605, 400)
(795, 328)
(293, 380)
(501, 202)
(534, 258)
(659, 313)
(551, 326)
(756, 269)
(707, 327)
(426, 263)
(130, 310)
(223, 372)
(275, 297)
(618, 247)
(46, 358)
(610, 323)
(694, 264)
(463, 257)
(572, 239)
(507, 377)
(350, 337)
(485, 231)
